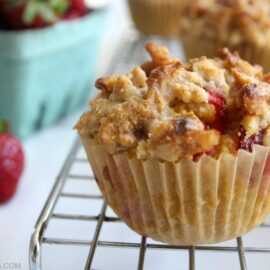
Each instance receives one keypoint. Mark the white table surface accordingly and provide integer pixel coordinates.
(45, 154)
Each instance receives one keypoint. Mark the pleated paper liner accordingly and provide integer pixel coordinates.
(185, 203)
(157, 17)
(195, 46)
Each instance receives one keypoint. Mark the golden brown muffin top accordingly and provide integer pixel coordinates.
(234, 21)
(169, 110)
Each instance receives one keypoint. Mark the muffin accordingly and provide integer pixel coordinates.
(240, 25)
(156, 17)
(181, 151)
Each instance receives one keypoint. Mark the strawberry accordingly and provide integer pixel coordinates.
(218, 100)
(12, 14)
(26, 14)
(247, 143)
(77, 8)
(78, 5)
(11, 163)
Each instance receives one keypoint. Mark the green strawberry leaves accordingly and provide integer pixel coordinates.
(48, 10)
(4, 126)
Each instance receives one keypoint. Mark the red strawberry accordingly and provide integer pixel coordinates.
(78, 5)
(247, 143)
(26, 14)
(218, 100)
(12, 14)
(77, 8)
(11, 164)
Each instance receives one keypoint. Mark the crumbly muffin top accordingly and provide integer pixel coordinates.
(234, 21)
(168, 110)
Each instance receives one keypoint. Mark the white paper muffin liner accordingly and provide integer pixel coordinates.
(185, 203)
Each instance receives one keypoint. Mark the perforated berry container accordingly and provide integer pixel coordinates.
(47, 73)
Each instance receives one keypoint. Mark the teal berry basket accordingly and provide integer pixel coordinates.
(47, 73)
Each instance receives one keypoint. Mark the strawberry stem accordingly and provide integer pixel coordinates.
(4, 126)
(48, 10)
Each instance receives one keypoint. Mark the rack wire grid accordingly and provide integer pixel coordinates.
(71, 185)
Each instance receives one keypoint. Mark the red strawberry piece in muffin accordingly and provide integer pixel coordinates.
(219, 101)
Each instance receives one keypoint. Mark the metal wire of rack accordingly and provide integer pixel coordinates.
(130, 55)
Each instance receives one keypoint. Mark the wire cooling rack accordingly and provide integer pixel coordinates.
(71, 185)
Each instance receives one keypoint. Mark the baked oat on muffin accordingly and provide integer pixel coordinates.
(242, 25)
(169, 110)
(180, 151)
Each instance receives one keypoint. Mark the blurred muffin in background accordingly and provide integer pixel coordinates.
(241, 25)
(157, 17)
